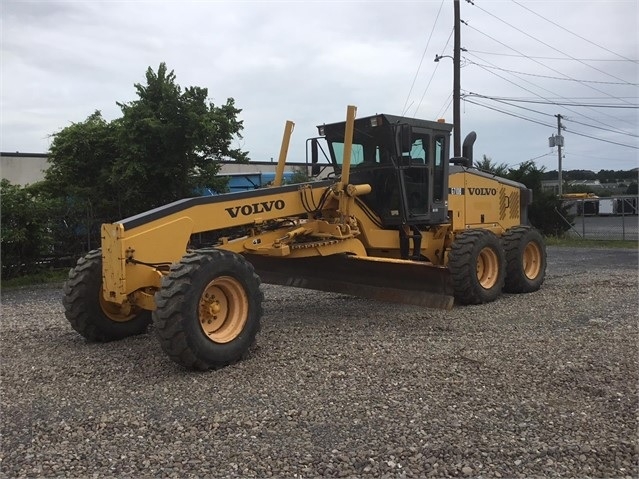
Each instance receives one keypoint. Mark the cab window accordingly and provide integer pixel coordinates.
(418, 151)
(357, 153)
(438, 171)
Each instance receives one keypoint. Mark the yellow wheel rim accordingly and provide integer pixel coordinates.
(531, 260)
(120, 313)
(223, 309)
(487, 268)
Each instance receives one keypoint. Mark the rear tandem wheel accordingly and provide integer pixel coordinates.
(89, 313)
(477, 266)
(525, 259)
(208, 309)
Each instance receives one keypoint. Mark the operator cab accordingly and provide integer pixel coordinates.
(405, 161)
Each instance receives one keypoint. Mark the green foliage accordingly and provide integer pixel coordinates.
(550, 215)
(166, 146)
(25, 233)
(610, 176)
(547, 212)
(632, 189)
(47, 276)
(300, 175)
(81, 158)
(486, 164)
(172, 141)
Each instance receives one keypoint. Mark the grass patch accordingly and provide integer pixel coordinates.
(42, 277)
(590, 243)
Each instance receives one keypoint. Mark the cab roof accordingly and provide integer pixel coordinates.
(387, 119)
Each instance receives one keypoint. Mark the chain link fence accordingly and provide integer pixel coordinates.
(613, 218)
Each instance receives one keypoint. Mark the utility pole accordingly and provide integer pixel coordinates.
(456, 83)
(559, 142)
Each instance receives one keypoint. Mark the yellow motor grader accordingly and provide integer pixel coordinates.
(396, 220)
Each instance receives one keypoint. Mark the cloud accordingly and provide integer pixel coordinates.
(306, 61)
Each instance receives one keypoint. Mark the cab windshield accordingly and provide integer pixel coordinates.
(370, 148)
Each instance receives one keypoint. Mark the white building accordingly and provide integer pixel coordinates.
(23, 168)
(28, 168)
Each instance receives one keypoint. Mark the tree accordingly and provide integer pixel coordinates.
(528, 174)
(300, 175)
(171, 142)
(25, 236)
(547, 212)
(82, 156)
(166, 146)
(486, 164)
(632, 189)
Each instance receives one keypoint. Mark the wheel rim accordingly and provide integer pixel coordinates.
(120, 313)
(487, 268)
(531, 260)
(223, 309)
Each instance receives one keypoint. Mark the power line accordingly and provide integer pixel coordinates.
(554, 78)
(601, 139)
(476, 95)
(621, 132)
(432, 76)
(533, 159)
(551, 47)
(575, 34)
(551, 102)
(550, 126)
(545, 89)
(551, 58)
(505, 101)
(444, 108)
(512, 82)
(509, 113)
(422, 59)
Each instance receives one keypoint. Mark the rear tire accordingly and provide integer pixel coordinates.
(87, 311)
(208, 309)
(477, 265)
(525, 259)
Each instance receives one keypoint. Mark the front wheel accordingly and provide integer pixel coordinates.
(90, 314)
(208, 309)
(477, 266)
(525, 259)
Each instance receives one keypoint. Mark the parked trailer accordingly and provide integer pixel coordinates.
(607, 206)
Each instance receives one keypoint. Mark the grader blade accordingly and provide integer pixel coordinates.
(394, 280)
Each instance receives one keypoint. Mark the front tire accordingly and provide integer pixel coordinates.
(477, 265)
(89, 313)
(525, 259)
(208, 309)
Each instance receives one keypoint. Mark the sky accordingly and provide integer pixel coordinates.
(525, 62)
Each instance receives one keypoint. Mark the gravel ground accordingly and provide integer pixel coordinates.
(540, 385)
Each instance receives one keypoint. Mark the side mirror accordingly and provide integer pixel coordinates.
(315, 168)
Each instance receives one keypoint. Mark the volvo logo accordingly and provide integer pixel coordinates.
(483, 191)
(255, 208)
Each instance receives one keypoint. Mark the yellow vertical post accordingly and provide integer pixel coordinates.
(351, 111)
(281, 161)
(344, 199)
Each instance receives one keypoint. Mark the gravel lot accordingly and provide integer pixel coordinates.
(541, 385)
